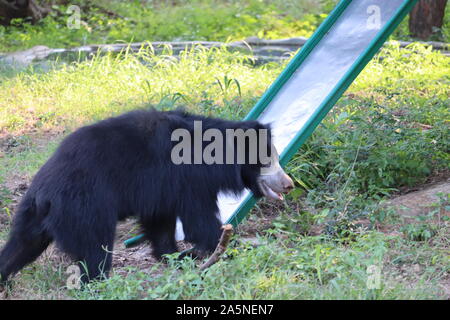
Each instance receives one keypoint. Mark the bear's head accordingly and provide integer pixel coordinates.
(265, 176)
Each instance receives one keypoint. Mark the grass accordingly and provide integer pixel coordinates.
(390, 131)
(313, 268)
(116, 84)
(111, 21)
(107, 21)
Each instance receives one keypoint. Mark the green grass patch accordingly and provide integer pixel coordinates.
(111, 21)
(209, 81)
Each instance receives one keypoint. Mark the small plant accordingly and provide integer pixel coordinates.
(419, 231)
(427, 226)
(5, 202)
(423, 229)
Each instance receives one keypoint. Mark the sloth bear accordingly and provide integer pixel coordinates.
(123, 166)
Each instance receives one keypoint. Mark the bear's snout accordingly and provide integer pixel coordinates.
(275, 182)
(287, 184)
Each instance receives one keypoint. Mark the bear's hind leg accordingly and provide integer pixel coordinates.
(93, 256)
(90, 245)
(96, 264)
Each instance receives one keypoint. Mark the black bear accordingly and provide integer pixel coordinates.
(123, 166)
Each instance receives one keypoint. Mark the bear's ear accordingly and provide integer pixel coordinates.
(253, 124)
(264, 132)
(268, 127)
(261, 126)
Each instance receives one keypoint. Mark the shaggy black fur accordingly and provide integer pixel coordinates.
(116, 168)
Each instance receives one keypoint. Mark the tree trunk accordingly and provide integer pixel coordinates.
(12, 9)
(425, 16)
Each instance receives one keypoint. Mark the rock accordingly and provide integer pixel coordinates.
(24, 58)
(252, 241)
(420, 202)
